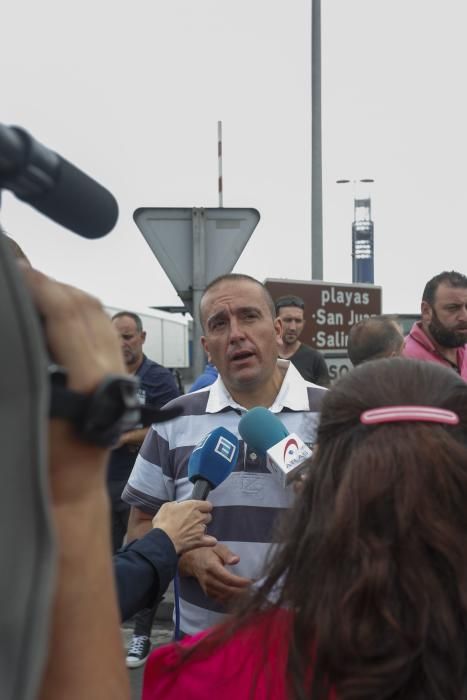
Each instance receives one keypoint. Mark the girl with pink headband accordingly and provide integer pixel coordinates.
(366, 597)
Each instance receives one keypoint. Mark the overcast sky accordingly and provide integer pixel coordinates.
(132, 92)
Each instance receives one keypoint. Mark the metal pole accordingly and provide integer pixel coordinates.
(219, 156)
(316, 151)
(199, 285)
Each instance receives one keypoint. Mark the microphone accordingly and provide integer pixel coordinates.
(212, 461)
(265, 433)
(54, 186)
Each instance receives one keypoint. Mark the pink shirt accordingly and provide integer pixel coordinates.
(419, 346)
(255, 658)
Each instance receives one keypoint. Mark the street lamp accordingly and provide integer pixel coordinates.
(316, 146)
(362, 235)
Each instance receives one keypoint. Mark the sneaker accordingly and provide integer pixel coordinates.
(138, 651)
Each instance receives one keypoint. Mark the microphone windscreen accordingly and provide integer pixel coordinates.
(261, 429)
(77, 202)
(214, 457)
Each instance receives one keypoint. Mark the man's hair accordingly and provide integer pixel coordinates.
(238, 277)
(289, 300)
(135, 317)
(453, 279)
(373, 338)
(382, 509)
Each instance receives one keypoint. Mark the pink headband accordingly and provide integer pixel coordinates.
(391, 414)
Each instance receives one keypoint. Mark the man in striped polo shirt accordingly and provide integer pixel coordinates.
(238, 318)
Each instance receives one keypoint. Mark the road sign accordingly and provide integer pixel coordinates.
(196, 245)
(330, 309)
(338, 364)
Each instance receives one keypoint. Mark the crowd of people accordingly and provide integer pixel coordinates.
(350, 585)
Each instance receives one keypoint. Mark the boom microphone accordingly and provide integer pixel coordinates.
(54, 186)
(265, 433)
(212, 461)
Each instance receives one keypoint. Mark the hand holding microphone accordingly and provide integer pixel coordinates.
(210, 464)
(185, 523)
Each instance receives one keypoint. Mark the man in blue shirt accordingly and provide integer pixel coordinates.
(208, 377)
(157, 388)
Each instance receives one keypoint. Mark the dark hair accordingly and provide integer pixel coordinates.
(373, 338)
(238, 277)
(453, 279)
(373, 565)
(290, 300)
(130, 314)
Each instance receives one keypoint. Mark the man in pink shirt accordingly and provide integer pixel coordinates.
(441, 334)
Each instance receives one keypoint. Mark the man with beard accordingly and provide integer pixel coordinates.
(441, 334)
(310, 363)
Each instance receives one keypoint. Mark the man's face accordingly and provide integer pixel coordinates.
(240, 333)
(131, 340)
(446, 319)
(292, 323)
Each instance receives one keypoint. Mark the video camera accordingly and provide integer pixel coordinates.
(55, 187)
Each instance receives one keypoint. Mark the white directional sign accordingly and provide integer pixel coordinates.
(190, 241)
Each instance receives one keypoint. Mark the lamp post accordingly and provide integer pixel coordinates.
(316, 146)
(362, 235)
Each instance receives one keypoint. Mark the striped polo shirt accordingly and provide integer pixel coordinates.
(247, 504)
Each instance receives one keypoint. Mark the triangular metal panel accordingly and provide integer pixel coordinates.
(168, 232)
(228, 230)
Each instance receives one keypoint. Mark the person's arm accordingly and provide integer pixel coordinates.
(208, 567)
(144, 568)
(139, 524)
(85, 658)
(133, 437)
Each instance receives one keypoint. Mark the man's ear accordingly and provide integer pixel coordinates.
(143, 336)
(426, 312)
(205, 344)
(279, 328)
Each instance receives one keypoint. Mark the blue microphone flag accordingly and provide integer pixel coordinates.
(214, 457)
